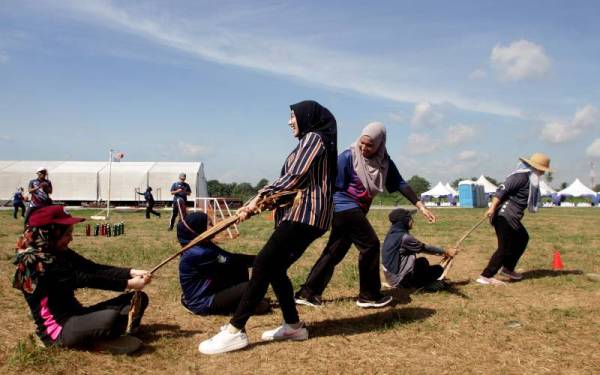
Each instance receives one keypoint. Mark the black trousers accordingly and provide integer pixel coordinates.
(511, 245)
(423, 274)
(16, 207)
(286, 245)
(30, 209)
(150, 210)
(106, 320)
(179, 208)
(349, 227)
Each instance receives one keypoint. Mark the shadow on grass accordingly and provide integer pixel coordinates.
(153, 332)
(401, 297)
(538, 274)
(382, 320)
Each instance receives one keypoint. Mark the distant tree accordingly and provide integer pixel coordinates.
(419, 184)
(549, 177)
(244, 191)
(454, 183)
(261, 184)
(564, 185)
(597, 188)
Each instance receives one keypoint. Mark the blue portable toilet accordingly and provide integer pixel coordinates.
(471, 194)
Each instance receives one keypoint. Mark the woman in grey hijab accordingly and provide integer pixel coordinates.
(363, 171)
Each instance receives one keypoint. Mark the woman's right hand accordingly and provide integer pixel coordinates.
(248, 210)
(490, 214)
(139, 282)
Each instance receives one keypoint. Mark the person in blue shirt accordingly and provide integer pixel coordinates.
(18, 202)
(149, 198)
(363, 171)
(212, 280)
(180, 191)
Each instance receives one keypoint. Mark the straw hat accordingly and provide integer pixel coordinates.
(539, 161)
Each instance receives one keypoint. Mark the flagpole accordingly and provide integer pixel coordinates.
(109, 173)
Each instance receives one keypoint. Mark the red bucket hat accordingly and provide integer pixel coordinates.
(52, 215)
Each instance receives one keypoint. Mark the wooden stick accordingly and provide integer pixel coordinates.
(446, 263)
(262, 204)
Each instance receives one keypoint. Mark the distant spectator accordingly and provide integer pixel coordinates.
(180, 190)
(149, 198)
(18, 202)
(40, 189)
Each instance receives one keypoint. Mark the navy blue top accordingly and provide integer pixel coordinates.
(351, 193)
(182, 194)
(148, 197)
(18, 198)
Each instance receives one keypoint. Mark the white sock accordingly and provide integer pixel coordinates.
(232, 329)
(296, 325)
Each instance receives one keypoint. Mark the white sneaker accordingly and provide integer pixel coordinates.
(224, 342)
(286, 332)
(489, 281)
(511, 274)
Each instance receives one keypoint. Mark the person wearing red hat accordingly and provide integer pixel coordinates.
(48, 272)
(519, 191)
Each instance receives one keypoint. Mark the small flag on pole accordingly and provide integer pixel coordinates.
(117, 156)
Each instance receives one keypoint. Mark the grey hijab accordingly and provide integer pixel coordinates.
(372, 171)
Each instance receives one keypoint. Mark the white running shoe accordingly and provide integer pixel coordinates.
(511, 274)
(489, 281)
(286, 332)
(224, 342)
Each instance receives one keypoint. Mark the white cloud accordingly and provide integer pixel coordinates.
(210, 39)
(425, 116)
(584, 119)
(457, 134)
(420, 144)
(5, 138)
(192, 150)
(520, 60)
(467, 155)
(477, 74)
(396, 117)
(594, 149)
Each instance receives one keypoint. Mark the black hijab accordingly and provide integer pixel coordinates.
(313, 117)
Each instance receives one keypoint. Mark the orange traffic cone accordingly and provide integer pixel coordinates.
(557, 263)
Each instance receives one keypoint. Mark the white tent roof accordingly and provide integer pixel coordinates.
(545, 189)
(488, 187)
(577, 189)
(77, 180)
(162, 175)
(438, 190)
(18, 174)
(450, 189)
(126, 177)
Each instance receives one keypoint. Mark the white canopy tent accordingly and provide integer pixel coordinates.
(577, 189)
(438, 191)
(126, 177)
(545, 189)
(77, 180)
(19, 173)
(450, 189)
(162, 175)
(488, 187)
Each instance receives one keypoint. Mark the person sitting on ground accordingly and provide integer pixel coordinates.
(48, 272)
(149, 198)
(212, 279)
(401, 266)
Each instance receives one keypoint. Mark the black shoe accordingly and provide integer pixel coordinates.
(312, 301)
(373, 303)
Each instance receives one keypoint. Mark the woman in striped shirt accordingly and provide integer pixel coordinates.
(311, 168)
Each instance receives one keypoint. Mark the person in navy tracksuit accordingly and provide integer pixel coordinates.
(149, 198)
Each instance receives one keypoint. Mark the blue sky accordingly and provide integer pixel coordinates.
(463, 88)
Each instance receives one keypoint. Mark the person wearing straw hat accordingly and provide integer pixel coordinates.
(519, 191)
(48, 273)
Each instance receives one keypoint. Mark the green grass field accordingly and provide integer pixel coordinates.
(547, 323)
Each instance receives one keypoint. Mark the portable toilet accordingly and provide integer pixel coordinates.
(471, 194)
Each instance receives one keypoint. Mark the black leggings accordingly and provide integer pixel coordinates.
(423, 274)
(179, 208)
(150, 210)
(16, 207)
(287, 243)
(511, 245)
(349, 227)
(106, 320)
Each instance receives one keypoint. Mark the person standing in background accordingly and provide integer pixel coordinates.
(18, 202)
(149, 198)
(180, 191)
(40, 189)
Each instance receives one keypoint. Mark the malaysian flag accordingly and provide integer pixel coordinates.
(117, 156)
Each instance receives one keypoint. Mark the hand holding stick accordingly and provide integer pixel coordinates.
(446, 263)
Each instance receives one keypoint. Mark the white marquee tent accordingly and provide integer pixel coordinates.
(545, 189)
(577, 189)
(438, 190)
(488, 187)
(450, 189)
(88, 181)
